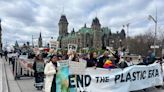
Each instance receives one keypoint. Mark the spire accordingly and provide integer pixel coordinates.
(123, 30)
(40, 36)
(73, 31)
(40, 40)
(63, 10)
(95, 21)
(85, 26)
(16, 44)
(96, 24)
(63, 19)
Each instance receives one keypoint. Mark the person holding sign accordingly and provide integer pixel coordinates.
(38, 68)
(50, 72)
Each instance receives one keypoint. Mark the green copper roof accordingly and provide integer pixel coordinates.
(85, 30)
(70, 36)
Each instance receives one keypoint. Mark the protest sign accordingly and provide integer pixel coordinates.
(72, 47)
(62, 76)
(54, 44)
(77, 67)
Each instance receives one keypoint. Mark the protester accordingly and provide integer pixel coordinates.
(116, 56)
(5, 54)
(129, 61)
(139, 59)
(144, 61)
(73, 56)
(38, 68)
(103, 59)
(1, 53)
(50, 73)
(10, 56)
(122, 63)
(92, 61)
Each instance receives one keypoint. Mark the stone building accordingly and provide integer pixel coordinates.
(93, 37)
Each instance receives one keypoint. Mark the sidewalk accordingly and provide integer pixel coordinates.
(13, 85)
(24, 84)
(1, 70)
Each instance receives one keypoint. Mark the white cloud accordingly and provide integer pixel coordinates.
(23, 18)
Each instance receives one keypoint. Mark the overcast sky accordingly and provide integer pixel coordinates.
(23, 18)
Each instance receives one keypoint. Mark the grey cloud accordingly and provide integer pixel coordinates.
(29, 17)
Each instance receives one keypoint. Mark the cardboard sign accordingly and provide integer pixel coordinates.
(72, 47)
(54, 44)
(77, 67)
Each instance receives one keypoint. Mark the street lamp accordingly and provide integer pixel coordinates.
(155, 21)
(127, 25)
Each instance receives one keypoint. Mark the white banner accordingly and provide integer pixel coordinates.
(132, 78)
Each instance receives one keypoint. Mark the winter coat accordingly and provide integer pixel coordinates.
(91, 62)
(123, 64)
(49, 71)
(101, 61)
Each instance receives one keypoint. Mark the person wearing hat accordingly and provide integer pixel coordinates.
(50, 73)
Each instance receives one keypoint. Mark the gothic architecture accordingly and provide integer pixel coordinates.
(93, 37)
(40, 40)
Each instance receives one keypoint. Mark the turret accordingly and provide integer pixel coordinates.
(63, 25)
(96, 24)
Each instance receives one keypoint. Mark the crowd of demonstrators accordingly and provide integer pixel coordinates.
(108, 60)
(149, 59)
(38, 67)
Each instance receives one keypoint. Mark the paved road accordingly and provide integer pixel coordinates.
(27, 85)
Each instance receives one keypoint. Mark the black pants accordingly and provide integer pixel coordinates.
(6, 58)
(53, 86)
(39, 77)
(10, 60)
(1, 55)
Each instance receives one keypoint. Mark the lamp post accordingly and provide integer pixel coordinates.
(127, 25)
(155, 21)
